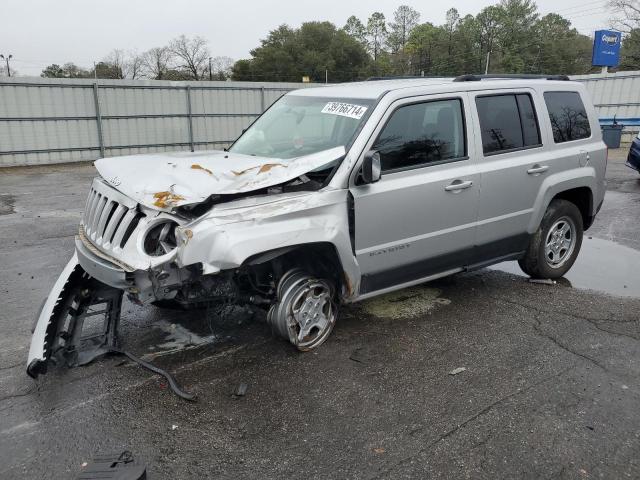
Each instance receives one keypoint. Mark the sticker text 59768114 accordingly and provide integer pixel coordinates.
(345, 110)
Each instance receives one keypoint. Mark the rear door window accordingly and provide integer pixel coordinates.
(568, 116)
(507, 122)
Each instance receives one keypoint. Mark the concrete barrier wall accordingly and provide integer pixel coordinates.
(45, 121)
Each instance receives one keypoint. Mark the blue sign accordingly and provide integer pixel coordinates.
(606, 48)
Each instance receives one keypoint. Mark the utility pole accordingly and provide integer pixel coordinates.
(486, 66)
(6, 59)
(95, 71)
(210, 74)
(326, 75)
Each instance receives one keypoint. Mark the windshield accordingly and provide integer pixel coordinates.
(300, 125)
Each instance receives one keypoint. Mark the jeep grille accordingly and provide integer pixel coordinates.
(110, 217)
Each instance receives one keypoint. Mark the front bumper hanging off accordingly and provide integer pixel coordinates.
(71, 308)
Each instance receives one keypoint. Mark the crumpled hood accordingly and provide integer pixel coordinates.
(167, 180)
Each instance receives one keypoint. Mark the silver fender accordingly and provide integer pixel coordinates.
(38, 355)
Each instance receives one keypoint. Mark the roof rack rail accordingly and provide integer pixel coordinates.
(405, 77)
(510, 76)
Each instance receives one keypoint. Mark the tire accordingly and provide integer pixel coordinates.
(555, 246)
(305, 312)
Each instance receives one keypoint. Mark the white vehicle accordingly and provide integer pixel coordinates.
(334, 195)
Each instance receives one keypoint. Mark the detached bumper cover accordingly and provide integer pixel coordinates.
(42, 334)
(633, 160)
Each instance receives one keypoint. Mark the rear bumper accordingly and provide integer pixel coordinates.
(633, 160)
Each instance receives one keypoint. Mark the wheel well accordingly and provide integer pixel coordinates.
(319, 259)
(582, 198)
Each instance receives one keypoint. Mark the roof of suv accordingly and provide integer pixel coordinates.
(374, 88)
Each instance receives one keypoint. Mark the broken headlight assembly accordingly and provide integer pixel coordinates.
(160, 239)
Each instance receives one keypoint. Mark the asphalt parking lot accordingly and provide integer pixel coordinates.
(551, 387)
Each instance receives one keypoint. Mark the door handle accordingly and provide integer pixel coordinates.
(458, 185)
(537, 169)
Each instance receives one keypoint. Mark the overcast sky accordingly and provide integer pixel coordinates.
(41, 32)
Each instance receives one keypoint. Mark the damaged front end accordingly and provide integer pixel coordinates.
(195, 237)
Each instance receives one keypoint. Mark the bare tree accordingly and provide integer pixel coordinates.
(134, 66)
(627, 14)
(156, 62)
(192, 54)
(221, 67)
(71, 70)
(116, 61)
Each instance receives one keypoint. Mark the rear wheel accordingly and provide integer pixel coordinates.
(555, 246)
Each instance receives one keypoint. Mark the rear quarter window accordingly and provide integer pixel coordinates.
(568, 117)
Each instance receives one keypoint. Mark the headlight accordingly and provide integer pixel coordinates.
(161, 239)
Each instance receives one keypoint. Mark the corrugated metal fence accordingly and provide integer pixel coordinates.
(616, 95)
(45, 121)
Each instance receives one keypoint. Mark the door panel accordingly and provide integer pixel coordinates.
(407, 218)
(511, 177)
(415, 222)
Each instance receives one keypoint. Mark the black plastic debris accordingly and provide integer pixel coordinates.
(173, 384)
(357, 356)
(241, 390)
(114, 466)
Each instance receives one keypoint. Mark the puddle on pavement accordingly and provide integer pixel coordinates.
(602, 265)
(406, 303)
(176, 337)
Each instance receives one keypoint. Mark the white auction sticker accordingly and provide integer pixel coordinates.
(345, 110)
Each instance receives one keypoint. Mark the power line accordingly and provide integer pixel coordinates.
(580, 6)
(586, 14)
(584, 10)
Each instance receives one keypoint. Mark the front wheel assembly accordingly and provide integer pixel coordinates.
(305, 311)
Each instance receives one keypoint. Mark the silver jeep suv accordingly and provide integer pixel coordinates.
(334, 195)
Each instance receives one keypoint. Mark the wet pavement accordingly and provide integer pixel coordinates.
(551, 387)
(603, 265)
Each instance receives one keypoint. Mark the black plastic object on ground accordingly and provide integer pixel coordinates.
(612, 134)
(173, 384)
(114, 467)
(241, 390)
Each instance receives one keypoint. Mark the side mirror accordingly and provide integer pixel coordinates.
(371, 170)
